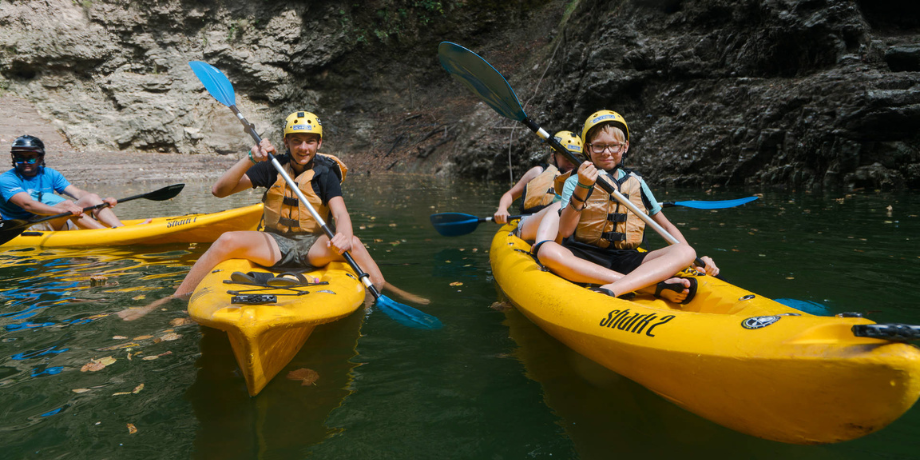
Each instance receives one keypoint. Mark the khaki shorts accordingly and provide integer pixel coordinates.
(46, 227)
(294, 250)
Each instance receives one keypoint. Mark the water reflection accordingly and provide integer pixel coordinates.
(488, 385)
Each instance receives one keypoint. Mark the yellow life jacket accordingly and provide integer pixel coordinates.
(539, 192)
(605, 221)
(284, 213)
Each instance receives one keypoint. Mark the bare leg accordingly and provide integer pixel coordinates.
(543, 225)
(258, 247)
(321, 254)
(573, 268)
(85, 221)
(659, 265)
(105, 215)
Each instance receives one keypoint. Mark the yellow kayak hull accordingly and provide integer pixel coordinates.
(190, 228)
(797, 378)
(265, 337)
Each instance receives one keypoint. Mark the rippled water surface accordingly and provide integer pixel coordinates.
(489, 384)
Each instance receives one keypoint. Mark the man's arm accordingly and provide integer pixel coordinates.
(24, 201)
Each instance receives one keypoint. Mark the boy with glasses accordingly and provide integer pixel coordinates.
(29, 189)
(601, 235)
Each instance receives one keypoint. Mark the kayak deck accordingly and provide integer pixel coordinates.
(731, 356)
(189, 228)
(266, 336)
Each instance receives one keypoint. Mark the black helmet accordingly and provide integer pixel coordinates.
(28, 144)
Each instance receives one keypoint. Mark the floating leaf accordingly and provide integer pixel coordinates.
(456, 283)
(121, 393)
(500, 306)
(138, 389)
(97, 364)
(306, 376)
(171, 336)
(119, 346)
(119, 337)
(392, 225)
(140, 297)
(150, 358)
(176, 322)
(131, 428)
(80, 390)
(143, 337)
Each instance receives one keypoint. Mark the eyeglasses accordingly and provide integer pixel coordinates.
(28, 161)
(601, 148)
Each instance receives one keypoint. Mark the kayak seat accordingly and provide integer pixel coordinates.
(267, 279)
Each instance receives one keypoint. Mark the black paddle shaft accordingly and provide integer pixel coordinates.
(251, 129)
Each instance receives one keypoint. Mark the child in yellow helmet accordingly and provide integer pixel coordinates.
(538, 188)
(600, 235)
(291, 239)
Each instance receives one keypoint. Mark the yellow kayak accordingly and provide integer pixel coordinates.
(731, 356)
(266, 333)
(190, 228)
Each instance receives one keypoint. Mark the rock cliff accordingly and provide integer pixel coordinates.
(805, 93)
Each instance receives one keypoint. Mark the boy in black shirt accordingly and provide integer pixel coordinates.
(292, 238)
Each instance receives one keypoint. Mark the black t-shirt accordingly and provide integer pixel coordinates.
(326, 181)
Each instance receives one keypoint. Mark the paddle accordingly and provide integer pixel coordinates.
(10, 229)
(221, 89)
(458, 223)
(724, 204)
(487, 83)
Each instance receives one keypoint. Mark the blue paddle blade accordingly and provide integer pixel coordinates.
(454, 223)
(715, 204)
(807, 306)
(215, 82)
(480, 77)
(406, 315)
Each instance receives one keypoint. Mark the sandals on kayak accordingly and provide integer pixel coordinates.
(265, 279)
(678, 288)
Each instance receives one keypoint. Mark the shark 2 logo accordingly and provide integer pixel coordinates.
(176, 223)
(634, 322)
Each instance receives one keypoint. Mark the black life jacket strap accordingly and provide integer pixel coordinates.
(613, 236)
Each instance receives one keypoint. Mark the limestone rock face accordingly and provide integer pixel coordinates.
(797, 92)
(806, 93)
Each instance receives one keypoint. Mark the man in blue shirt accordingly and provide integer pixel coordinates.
(29, 189)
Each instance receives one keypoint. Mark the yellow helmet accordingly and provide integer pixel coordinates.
(570, 141)
(303, 122)
(604, 116)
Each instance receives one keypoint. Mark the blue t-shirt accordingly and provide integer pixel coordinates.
(40, 187)
(572, 182)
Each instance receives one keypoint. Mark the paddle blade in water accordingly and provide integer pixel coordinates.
(406, 315)
(807, 306)
(480, 77)
(454, 223)
(10, 229)
(165, 193)
(215, 82)
(715, 204)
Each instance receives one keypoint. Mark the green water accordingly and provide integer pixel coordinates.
(488, 385)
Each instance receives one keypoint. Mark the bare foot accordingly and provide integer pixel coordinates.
(406, 295)
(133, 313)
